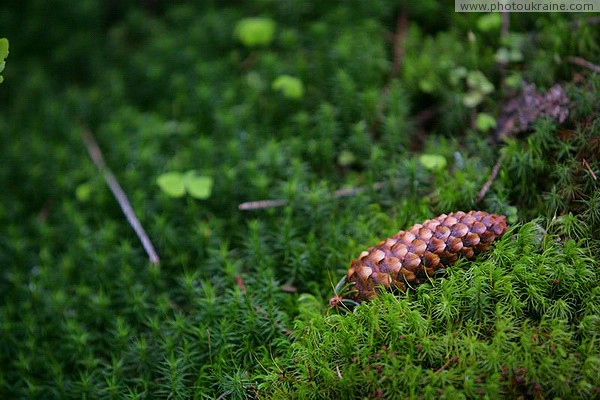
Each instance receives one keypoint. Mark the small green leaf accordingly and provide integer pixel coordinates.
(472, 99)
(254, 32)
(513, 81)
(255, 81)
(171, 183)
(83, 192)
(516, 55)
(476, 80)
(485, 122)
(346, 158)
(199, 187)
(426, 85)
(513, 214)
(291, 87)
(513, 40)
(433, 162)
(3, 55)
(502, 55)
(3, 48)
(456, 74)
(489, 22)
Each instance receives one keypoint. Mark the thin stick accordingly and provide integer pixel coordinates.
(224, 394)
(401, 25)
(43, 214)
(505, 24)
(397, 58)
(589, 169)
(491, 179)
(240, 282)
(96, 156)
(273, 203)
(447, 364)
(584, 63)
(261, 204)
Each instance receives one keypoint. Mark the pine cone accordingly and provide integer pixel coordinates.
(412, 257)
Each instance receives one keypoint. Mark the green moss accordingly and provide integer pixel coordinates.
(520, 321)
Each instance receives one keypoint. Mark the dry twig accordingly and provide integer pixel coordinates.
(262, 204)
(224, 394)
(401, 26)
(450, 361)
(96, 156)
(398, 56)
(505, 24)
(344, 192)
(491, 179)
(584, 63)
(240, 282)
(589, 169)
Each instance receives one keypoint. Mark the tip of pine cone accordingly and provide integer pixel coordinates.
(335, 301)
(338, 301)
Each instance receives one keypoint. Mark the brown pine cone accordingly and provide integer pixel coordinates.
(412, 257)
